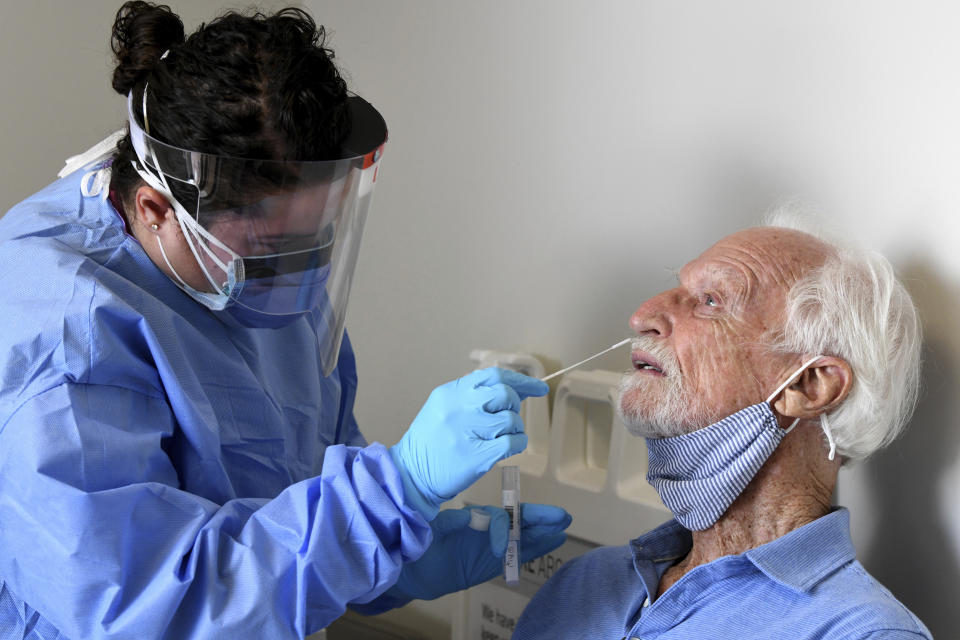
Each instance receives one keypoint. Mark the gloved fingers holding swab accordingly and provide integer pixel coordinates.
(502, 397)
(491, 426)
(465, 427)
(524, 386)
(498, 448)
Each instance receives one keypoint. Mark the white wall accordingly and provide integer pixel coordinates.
(55, 70)
(550, 162)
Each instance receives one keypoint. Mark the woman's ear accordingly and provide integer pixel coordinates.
(152, 207)
(818, 390)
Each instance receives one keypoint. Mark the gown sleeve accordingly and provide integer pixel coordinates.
(99, 538)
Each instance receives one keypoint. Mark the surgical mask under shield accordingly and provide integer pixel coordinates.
(274, 240)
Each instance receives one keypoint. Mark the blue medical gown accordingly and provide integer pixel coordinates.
(163, 474)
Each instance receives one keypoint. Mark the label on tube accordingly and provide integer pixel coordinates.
(510, 491)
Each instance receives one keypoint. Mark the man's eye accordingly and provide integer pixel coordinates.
(709, 300)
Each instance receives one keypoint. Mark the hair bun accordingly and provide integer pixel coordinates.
(142, 31)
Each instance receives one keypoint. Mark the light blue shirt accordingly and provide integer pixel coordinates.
(166, 475)
(806, 584)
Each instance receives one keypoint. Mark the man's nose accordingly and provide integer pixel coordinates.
(655, 316)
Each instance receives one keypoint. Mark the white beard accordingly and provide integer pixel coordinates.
(659, 407)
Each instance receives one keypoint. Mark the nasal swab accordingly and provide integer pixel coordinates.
(596, 355)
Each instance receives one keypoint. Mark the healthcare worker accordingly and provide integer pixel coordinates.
(178, 453)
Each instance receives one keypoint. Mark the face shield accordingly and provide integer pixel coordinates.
(275, 240)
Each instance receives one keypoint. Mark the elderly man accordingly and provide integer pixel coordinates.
(776, 359)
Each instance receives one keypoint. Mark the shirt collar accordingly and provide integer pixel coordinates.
(668, 542)
(808, 554)
(799, 559)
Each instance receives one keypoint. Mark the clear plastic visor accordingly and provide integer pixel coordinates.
(280, 238)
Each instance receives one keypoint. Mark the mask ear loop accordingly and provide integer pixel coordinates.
(191, 229)
(193, 233)
(183, 284)
(784, 386)
(830, 440)
(791, 427)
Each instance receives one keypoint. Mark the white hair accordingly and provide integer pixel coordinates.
(855, 308)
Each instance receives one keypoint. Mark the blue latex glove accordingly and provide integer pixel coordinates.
(461, 557)
(465, 427)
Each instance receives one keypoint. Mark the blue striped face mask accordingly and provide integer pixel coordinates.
(699, 474)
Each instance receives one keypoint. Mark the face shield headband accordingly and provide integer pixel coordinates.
(273, 241)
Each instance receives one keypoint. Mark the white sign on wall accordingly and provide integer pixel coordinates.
(492, 609)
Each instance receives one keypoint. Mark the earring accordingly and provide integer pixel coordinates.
(155, 226)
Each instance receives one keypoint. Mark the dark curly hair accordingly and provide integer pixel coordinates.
(255, 86)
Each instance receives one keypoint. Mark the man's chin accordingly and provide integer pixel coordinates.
(638, 424)
(650, 412)
(651, 430)
(642, 424)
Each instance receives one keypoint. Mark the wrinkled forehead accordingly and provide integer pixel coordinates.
(768, 259)
(751, 272)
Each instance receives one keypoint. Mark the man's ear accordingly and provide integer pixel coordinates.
(152, 207)
(819, 389)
